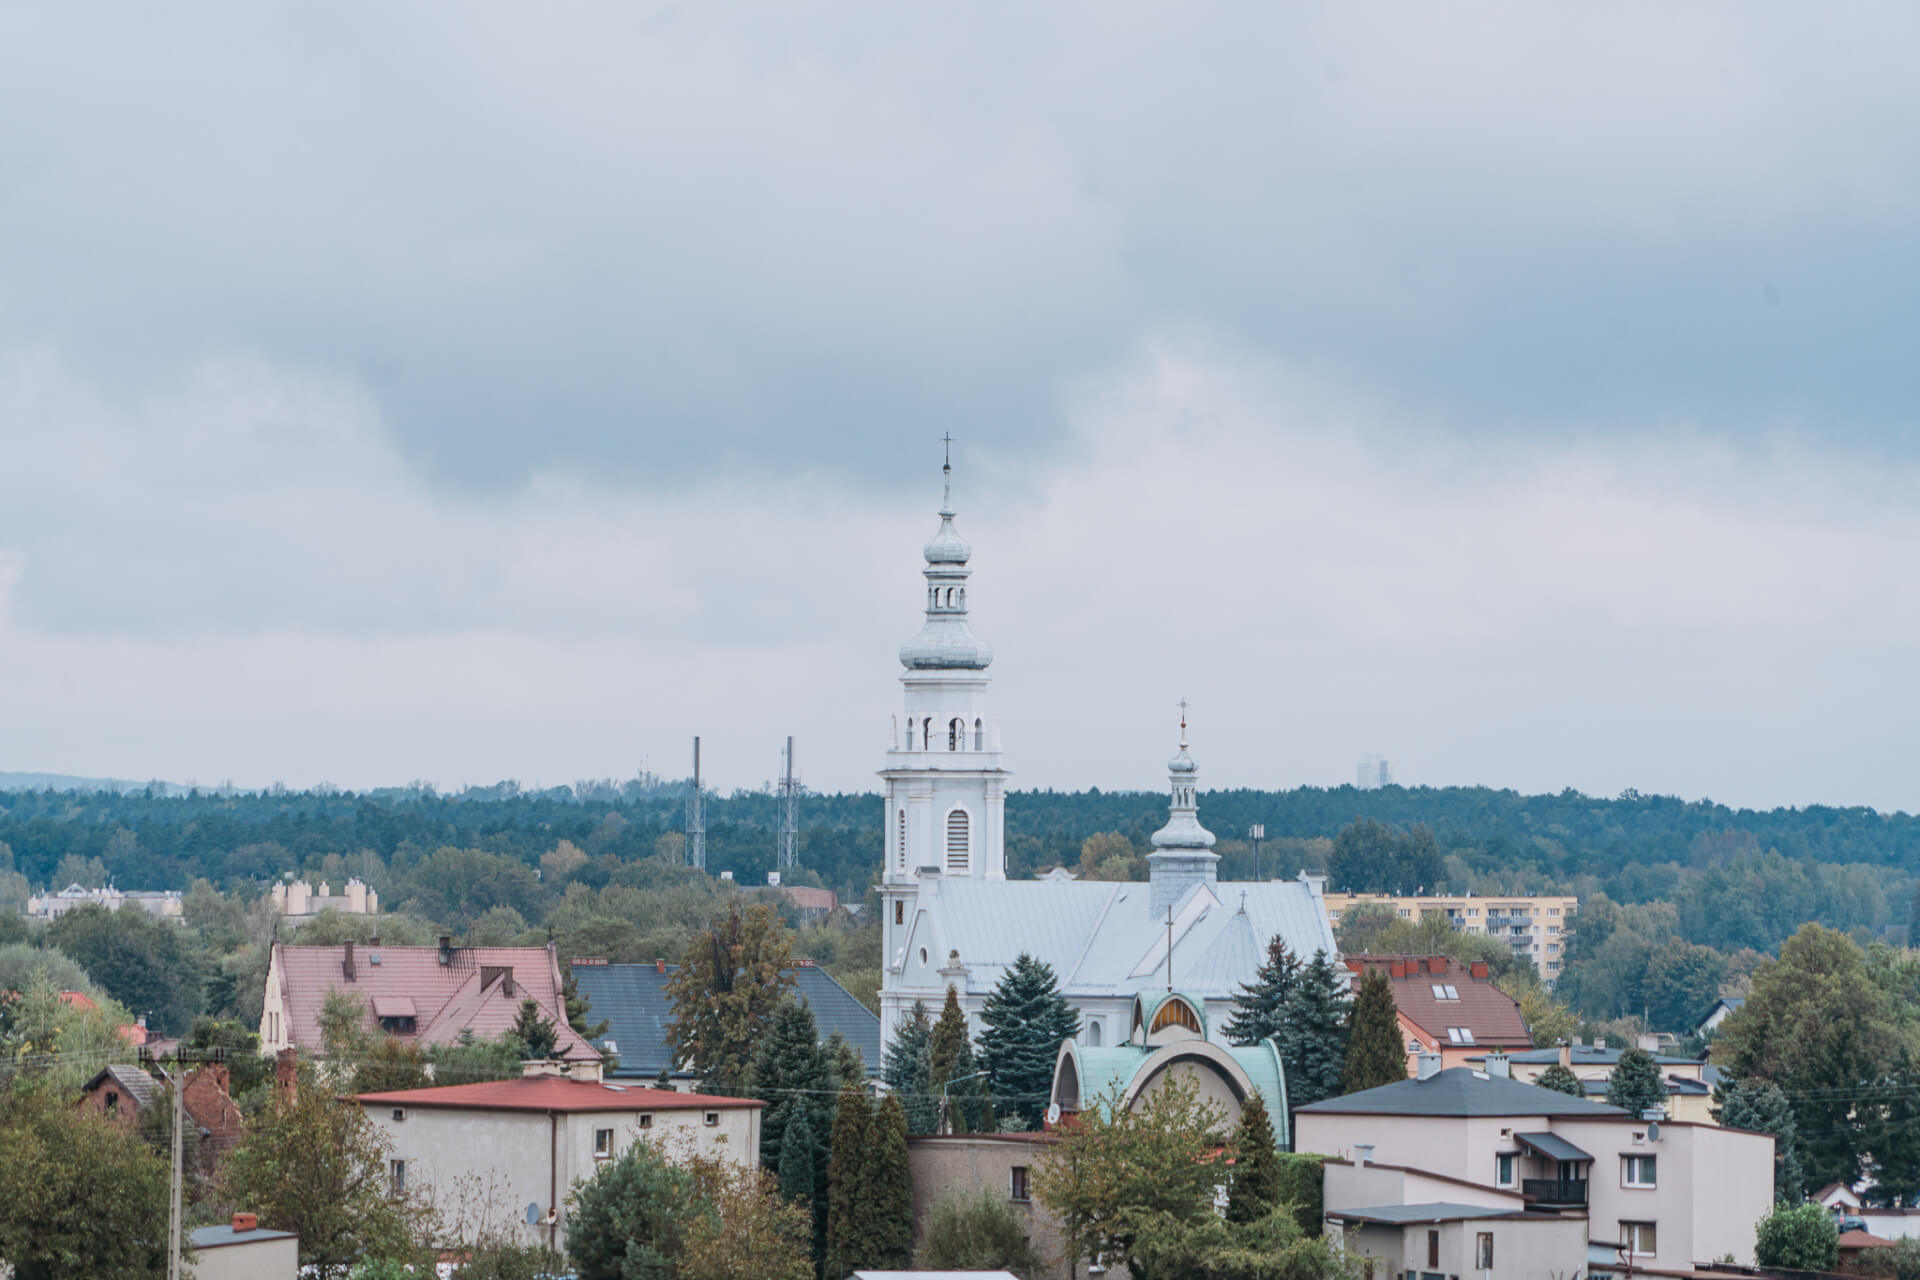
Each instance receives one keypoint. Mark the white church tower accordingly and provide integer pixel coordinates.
(946, 791)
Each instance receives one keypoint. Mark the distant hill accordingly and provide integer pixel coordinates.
(68, 782)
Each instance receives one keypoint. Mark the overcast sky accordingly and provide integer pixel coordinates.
(1526, 394)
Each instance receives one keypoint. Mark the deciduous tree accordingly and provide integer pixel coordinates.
(978, 1232)
(1803, 1238)
(735, 974)
(80, 1197)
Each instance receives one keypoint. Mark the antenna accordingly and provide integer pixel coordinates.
(695, 854)
(789, 851)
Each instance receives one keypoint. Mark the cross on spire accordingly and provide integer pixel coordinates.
(946, 471)
(1183, 722)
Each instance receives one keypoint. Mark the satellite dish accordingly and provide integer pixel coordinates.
(1653, 1132)
(1053, 1113)
(533, 1213)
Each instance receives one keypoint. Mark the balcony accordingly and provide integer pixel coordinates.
(1555, 1193)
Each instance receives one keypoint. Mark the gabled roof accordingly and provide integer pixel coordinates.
(552, 1093)
(1437, 1001)
(464, 994)
(142, 1088)
(633, 1000)
(1461, 1091)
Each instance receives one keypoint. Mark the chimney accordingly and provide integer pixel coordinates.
(1480, 970)
(245, 1222)
(1397, 968)
(1566, 1054)
(374, 941)
(1428, 1065)
(1499, 1066)
(660, 965)
(1363, 1154)
(1650, 1043)
(446, 948)
(286, 1075)
(346, 963)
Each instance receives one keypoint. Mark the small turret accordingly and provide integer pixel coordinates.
(1183, 853)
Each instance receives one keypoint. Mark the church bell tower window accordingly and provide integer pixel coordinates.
(958, 842)
(901, 848)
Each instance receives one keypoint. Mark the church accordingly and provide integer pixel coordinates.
(954, 919)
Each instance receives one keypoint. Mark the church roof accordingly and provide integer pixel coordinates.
(1101, 937)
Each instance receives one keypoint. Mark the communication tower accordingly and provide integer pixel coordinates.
(789, 813)
(695, 854)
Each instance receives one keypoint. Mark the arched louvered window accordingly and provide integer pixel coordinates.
(1174, 1012)
(901, 848)
(957, 734)
(979, 735)
(958, 842)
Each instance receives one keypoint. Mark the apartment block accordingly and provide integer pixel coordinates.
(1535, 927)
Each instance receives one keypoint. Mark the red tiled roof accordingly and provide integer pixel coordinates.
(551, 1093)
(1490, 1013)
(446, 998)
(1863, 1240)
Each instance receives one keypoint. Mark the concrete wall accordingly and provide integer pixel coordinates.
(484, 1166)
(966, 1164)
(1522, 1249)
(252, 1260)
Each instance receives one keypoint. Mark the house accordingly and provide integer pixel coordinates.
(127, 1093)
(1723, 1008)
(422, 995)
(812, 905)
(520, 1144)
(632, 998)
(1689, 1081)
(1845, 1204)
(122, 1093)
(1448, 1008)
(1168, 1039)
(1649, 1196)
(1000, 1164)
(1453, 1238)
(165, 903)
(1533, 926)
(242, 1249)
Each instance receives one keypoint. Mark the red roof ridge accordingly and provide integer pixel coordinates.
(551, 1093)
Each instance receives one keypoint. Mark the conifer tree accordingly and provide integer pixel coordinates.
(1375, 1055)
(1759, 1106)
(887, 1220)
(1316, 1049)
(1256, 1164)
(907, 1069)
(1025, 1020)
(796, 1160)
(1561, 1080)
(536, 1034)
(847, 1189)
(1262, 1008)
(794, 1074)
(950, 1064)
(1634, 1085)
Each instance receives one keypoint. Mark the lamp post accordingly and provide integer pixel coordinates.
(1256, 833)
(943, 1095)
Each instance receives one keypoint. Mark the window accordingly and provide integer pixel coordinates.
(1433, 1248)
(602, 1143)
(1174, 1011)
(1093, 1035)
(1460, 1035)
(958, 841)
(646, 1120)
(979, 735)
(956, 734)
(899, 910)
(902, 852)
(711, 1119)
(397, 1172)
(1639, 1238)
(1503, 1169)
(1637, 1171)
(923, 957)
(1017, 1184)
(1473, 911)
(1483, 1250)
(399, 1114)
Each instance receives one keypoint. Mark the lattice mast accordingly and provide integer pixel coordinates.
(696, 850)
(789, 852)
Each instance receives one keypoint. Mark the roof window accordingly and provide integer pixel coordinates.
(1445, 991)
(1460, 1035)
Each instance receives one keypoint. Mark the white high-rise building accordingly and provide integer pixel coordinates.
(954, 919)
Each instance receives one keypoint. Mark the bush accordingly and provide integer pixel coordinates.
(1301, 1191)
(1804, 1238)
(502, 1260)
(1902, 1262)
(977, 1233)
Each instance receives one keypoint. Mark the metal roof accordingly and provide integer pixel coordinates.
(1552, 1146)
(224, 1234)
(1587, 1055)
(633, 1000)
(1434, 1211)
(551, 1093)
(1462, 1091)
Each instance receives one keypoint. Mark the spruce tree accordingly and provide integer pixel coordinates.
(1318, 1036)
(1375, 1055)
(1025, 1020)
(887, 1217)
(795, 1076)
(1759, 1106)
(1256, 1164)
(1561, 1080)
(907, 1069)
(796, 1160)
(1262, 1008)
(847, 1186)
(1634, 1085)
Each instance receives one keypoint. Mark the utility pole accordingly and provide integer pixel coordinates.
(789, 850)
(178, 1082)
(1256, 833)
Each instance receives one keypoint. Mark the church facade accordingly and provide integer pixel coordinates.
(953, 919)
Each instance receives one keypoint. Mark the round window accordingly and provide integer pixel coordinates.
(923, 955)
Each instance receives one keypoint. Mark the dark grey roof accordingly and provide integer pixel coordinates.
(135, 1083)
(1552, 1146)
(1461, 1091)
(633, 1000)
(1435, 1211)
(1587, 1055)
(224, 1234)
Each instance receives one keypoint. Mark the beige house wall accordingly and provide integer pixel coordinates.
(1522, 1249)
(967, 1164)
(249, 1260)
(483, 1166)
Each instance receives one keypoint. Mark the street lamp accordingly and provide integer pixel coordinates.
(1256, 833)
(943, 1095)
